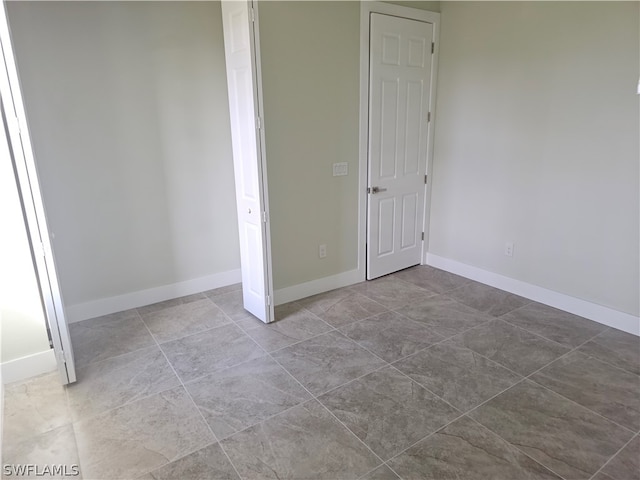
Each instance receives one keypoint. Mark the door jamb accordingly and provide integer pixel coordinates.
(366, 8)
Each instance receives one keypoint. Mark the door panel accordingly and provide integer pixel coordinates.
(409, 219)
(387, 210)
(399, 84)
(242, 60)
(19, 140)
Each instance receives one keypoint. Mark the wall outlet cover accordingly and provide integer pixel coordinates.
(340, 169)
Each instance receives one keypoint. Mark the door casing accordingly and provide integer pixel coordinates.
(414, 14)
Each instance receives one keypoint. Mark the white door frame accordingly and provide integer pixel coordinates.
(366, 8)
(33, 206)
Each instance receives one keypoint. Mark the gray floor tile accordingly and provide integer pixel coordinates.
(207, 463)
(602, 476)
(626, 464)
(444, 315)
(618, 348)
(293, 324)
(554, 324)
(388, 411)
(465, 450)
(184, 319)
(133, 420)
(381, 473)
(54, 447)
(326, 361)
(305, 442)
(391, 336)
(322, 302)
(232, 304)
(141, 436)
(342, 306)
(392, 292)
(510, 346)
(460, 376)
(207, 352)
(431, 278)
(610, 391)
(111, 383)
(34, 406)
(238, 397)
(567, 438)
(488, 299)
(154, 307)
(216, 292)
(108, 336)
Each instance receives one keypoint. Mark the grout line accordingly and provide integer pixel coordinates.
(547, 338)
(428, 390)
(386, 364)
(515, 447)
(578, 404)
(467, 413)
(455, 419)
(527, 378)
(607, 329)
(315, 398)
(215, 437)
(614, 456)
(521, 380)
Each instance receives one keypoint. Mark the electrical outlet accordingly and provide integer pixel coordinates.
(340, 169)
(508, 249)
(322, 251)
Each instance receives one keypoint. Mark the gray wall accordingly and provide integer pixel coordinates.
(536, 142)
(310, 75)
(128, 111)
(311, 81)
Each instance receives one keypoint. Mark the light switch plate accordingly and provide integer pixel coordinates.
(340, 169)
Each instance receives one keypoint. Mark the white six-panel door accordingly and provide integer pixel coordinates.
(399, 76)
(242, 61)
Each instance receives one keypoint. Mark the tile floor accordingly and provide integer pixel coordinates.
(417, 375)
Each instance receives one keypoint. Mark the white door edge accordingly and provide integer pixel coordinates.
(263, 161)
(31, 198)
(366, 8)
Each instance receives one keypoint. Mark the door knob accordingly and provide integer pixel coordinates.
(376, 190)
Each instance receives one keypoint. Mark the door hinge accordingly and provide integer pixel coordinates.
(433, 47)
(268, 300)
(428, 117)
(61, 357)
(264, 217)
(41, 249)
(422, 235)
(253, 14)
(425, 179)
(259, 122)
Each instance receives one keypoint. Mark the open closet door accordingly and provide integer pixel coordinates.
(239, 20)
(17, 134)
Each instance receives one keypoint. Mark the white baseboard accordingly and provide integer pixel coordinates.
(303, 290)
(105, 306)
(598, 313)
(29, 366)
